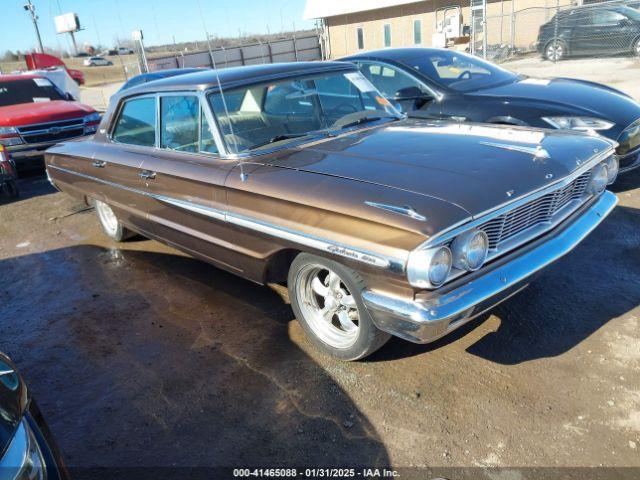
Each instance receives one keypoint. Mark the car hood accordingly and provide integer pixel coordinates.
(571, 96)
(41, 112)
(13, 400)
(473, 166)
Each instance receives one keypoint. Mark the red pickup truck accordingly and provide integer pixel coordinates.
(35, 114)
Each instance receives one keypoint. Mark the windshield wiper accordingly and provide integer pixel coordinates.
(363, 120)
(279, 138)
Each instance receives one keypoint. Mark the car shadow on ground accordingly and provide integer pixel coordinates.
(140, 358)
(29, 188)
(570, 301)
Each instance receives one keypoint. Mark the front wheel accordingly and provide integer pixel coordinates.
(555, 51)
(327, 301)
(110, 223)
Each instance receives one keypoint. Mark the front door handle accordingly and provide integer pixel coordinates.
(99, 163)
(147, 175)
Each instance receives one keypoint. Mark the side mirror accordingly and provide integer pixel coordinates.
(69, 97)
(411, 93)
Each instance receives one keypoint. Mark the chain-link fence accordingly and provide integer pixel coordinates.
(558, 30)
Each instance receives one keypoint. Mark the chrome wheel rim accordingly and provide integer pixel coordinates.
(107, 217)
(555, 51)
(328, 307)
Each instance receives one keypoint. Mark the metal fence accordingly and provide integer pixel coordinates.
(556, 31)
(293, 49)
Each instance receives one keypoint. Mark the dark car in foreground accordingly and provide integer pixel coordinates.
(303, 174)
(437, 83)
(590, 30)
(27, 449)
(157, 75)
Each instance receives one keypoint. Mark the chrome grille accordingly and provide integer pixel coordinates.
(530, 214)
(52, 131)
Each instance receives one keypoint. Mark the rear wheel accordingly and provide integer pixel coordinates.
(110, 223)
(326, 299)
(10, 188)
(555, 50)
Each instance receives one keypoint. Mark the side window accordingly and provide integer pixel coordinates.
(606, 17)
(137, 123)
(387, 79)
(207, 142)
(179, 123)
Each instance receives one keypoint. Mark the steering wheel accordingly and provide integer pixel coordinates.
(466, 73)
(344, 108)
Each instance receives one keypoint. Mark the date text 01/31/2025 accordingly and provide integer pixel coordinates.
(315, 473)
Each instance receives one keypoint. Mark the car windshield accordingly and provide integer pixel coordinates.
(460, 71)
(28, 90)
(259, 116)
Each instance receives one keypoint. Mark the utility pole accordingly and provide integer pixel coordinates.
(29, 7)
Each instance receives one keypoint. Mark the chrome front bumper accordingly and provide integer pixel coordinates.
(428, 320)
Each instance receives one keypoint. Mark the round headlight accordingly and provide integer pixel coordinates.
(599, 179)
(429, 268)
(470, 250)
(612, 168)
(440, 266)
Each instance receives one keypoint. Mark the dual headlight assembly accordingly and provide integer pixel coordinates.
(430, 268)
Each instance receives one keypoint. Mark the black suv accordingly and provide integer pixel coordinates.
(590, 31)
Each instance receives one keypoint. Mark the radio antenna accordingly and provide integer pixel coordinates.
(215, 69)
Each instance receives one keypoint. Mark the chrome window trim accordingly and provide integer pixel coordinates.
(329, 246)
(491, 213)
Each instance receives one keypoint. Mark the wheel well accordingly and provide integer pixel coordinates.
(278, 266)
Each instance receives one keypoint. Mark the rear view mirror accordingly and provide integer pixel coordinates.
(410, 93)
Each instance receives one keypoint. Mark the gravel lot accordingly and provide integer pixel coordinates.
(139, 356)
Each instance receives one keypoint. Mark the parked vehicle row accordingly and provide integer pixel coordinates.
(306, 174)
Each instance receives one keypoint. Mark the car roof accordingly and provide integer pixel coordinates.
(237, 76)
(395, 53)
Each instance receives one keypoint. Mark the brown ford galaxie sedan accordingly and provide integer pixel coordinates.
(302, 173)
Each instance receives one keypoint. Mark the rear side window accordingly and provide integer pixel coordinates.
(179, 124)
(137, 123)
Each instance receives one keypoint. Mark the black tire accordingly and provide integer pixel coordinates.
(110, 224)
(369, 337)
(10, 189)
(555, 50)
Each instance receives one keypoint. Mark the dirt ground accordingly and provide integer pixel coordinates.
(139, 356)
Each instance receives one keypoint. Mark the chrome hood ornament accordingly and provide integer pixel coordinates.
(401, 210)
(538, 152)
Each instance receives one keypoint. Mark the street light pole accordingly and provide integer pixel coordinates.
(29, 7)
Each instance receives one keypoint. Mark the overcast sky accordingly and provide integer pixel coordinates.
(160, 20)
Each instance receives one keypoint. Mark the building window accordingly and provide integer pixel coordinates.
(417, 32)
(360, 33)
(387, 35)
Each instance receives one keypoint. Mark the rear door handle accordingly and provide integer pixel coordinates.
(147, 175)
(99, 163)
